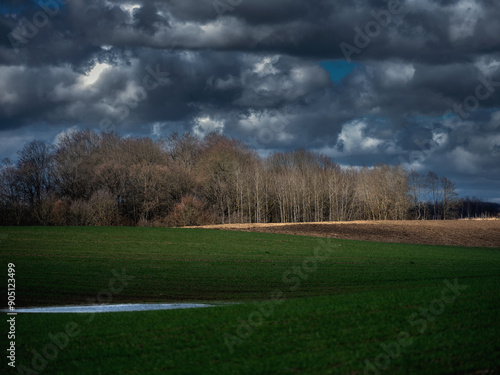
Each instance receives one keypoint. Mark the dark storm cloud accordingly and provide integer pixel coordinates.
(424, 31)
(252, 69)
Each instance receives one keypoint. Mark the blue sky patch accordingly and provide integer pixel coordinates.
(18, 7)
(337, 69)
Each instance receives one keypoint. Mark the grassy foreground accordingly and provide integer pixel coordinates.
(310, 306)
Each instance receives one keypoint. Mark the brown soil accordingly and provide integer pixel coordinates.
(474, 233)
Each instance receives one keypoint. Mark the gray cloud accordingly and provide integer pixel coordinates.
(254, 74)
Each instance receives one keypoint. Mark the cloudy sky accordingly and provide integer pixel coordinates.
(415, 82)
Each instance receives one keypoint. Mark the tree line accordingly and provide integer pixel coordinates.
(91, 178)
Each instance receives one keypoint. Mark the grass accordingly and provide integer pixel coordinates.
(333, 314)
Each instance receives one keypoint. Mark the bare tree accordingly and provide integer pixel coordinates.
(432, 182)
(103, 179)
(449, 196)
(35, 175)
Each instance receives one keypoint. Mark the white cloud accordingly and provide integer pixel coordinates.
(250, 122)
(129, 7)
(268, 125)
(439, 138)
(156, 130)
(399, 73)
(353, 139)
(93, 76)
(487, 65)
(205, 125)
(266, 66)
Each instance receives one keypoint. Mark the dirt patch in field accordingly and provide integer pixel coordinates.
(475, 233)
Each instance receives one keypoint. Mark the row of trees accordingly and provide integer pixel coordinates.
(91, 178)
(432, 197)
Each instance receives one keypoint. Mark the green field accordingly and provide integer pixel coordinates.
(308, 305)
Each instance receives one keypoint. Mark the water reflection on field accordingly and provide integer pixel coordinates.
(111, 308)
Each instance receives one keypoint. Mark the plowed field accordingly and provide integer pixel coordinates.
(474, 233)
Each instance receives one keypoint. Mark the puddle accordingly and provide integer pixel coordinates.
(111, 308)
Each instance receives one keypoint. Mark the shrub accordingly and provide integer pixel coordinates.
(104, 208)
(60, 211)
(80, 213)
(190, 211)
